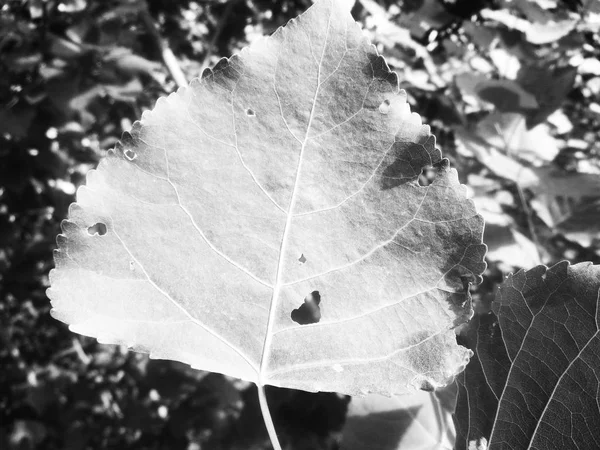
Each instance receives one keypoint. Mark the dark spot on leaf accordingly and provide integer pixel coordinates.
(302, 259)
(384, 108)
(409, 162)
(98, 228)
(309, 312)
(378, 69)
(222, 64)
(206, 73)
(131, 265)
(427, 386)
(250, 112)
(129, 154)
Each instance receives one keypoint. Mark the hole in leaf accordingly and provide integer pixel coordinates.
(302, 259)
(98, 228)
(384, 108)
(250, 112)
(129, 154)
(427, 176)
(309, 312)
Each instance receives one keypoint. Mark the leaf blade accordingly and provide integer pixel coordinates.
(549, 367)
(203, 260)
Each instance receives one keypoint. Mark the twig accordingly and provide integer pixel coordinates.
(530, 223)
(167, 54)
(75, 348)
(264, 408)
(80, 352)
(507, 140)
(213, 41)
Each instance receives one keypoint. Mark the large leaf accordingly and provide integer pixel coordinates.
(535, 380)
(282, 185)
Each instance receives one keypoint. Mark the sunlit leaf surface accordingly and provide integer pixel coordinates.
(286, 179)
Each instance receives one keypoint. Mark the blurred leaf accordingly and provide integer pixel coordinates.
(506, 245)
(72, 6)
(582, 224)
(508, 133)
(510, 247)
(507, 64)
(506, 95)
(468, 81)
(128, 92)
(24, 62)
(550, 87)
(431, 14)
(471, 144)
(415, 421)
(480, 34)
(172, 379)
(16, 120)
(63, 48)
(561, 122)
(26, 434)
(546, 33)
(130, 63)
(566, 201)
(556, 182)
(591, 6)
(589, 66)
(535, 32)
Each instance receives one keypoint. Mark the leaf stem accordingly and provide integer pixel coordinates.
(264, 408)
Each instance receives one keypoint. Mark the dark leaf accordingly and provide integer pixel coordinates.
(535, 380)
(550, 87)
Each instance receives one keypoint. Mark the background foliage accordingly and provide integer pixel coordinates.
(510, 88)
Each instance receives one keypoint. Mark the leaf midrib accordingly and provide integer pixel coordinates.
(290, 214)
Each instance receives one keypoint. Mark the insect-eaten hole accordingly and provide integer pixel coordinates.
(427, 176)
(129, 154)
(98, 228)
(302, 259)
(309, 312)
(384, 108)
(250, 112)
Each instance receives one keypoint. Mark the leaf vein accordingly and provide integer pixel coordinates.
(358, 361)
(168, 296)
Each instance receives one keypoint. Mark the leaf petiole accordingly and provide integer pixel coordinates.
(264, 408)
